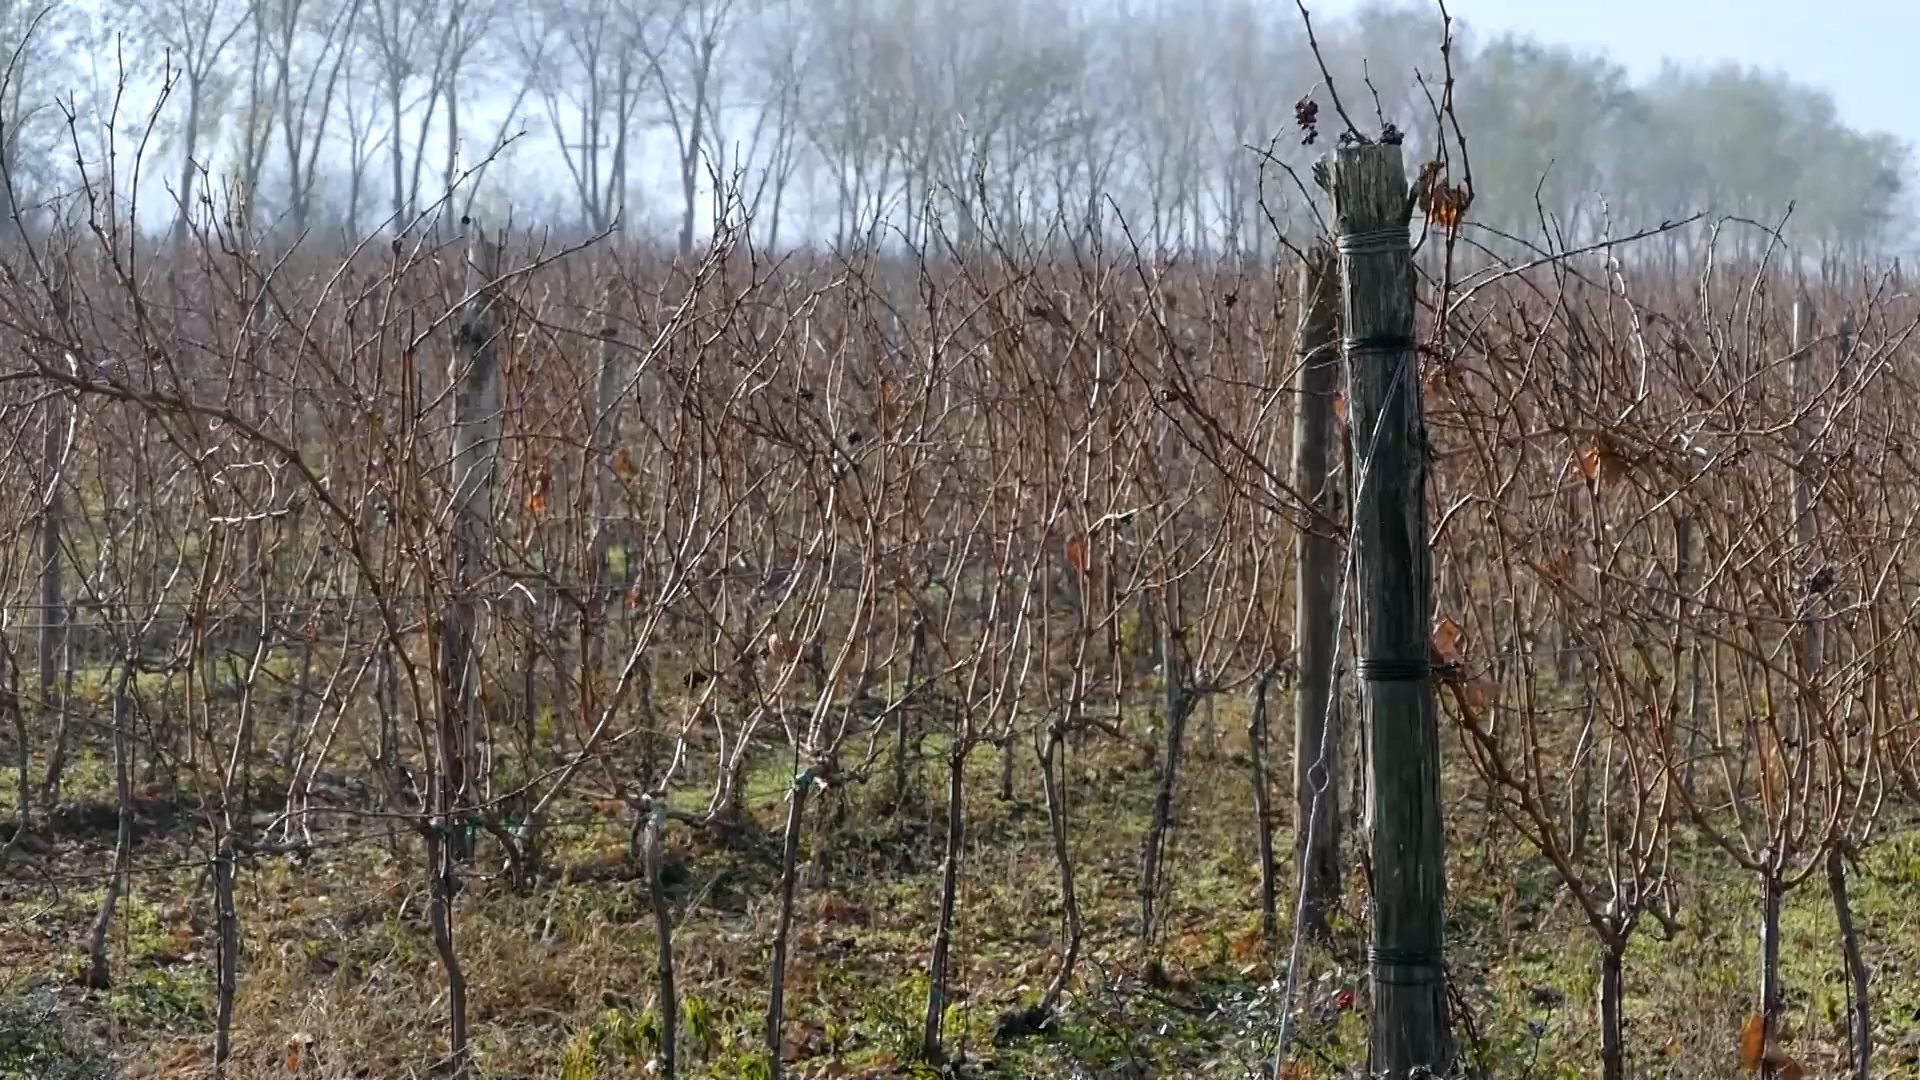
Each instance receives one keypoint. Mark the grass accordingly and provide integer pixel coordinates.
(338, 969)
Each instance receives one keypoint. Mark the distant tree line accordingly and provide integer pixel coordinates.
(905, 122)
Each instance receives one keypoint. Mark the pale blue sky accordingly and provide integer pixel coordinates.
(1866, 53)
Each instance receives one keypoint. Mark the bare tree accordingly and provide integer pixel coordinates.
(686, 62)
(419, 50)
(309, 44)
(588, 63)
(196, 35)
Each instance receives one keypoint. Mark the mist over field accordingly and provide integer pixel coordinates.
(844, 121)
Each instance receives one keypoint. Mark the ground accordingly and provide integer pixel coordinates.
(339, 976)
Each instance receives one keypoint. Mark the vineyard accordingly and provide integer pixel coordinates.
(478, 655)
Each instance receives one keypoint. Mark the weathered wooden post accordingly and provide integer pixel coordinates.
(56, 659)
(1393, 571)
(53, 598)
(1805, 528)
(1316, 734)
(475, 380)
(1859, 1005)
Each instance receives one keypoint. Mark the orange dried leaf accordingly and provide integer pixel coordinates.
(782, 649)
(1589, 461)
(1753, 1042)
(1294, 1069)
(1340, 407)
(182, 1061)
(834, 907)
(1447, 637)
(1479, 693)
(1077, 556)
(1443, 203)
(623, 463)
(1599, 461)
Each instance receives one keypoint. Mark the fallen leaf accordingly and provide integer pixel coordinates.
(835, 907)
(802, 1039)
(184, 1060)
(297, 1044)
(1753, 1045)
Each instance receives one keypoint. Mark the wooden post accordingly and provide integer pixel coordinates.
(53, 599)
(1690, 646)
(1316, 732)
(1804, 527)
(475, 379)
(56, 658)
(1801, 511)
(1859, 1005)
(609, 380)
(1393, 572)
(1262, 816)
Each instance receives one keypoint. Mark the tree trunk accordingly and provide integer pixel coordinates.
(1613, 1058)
(183, 224)
(226, 953)
(1859, 1008)
(443, 857)
(930, 1027)
(668, 1005)
(98, 976)
(783, 925)
(1394, 575)
(1179, 705)
(22, 754)
(916, 654)
(1052, 780)
(1006, 765)
(396, 155)
(1770, 896)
